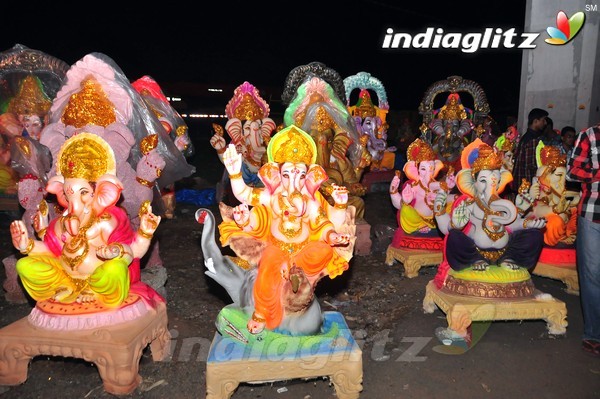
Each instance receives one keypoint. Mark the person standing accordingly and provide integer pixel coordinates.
(525, 165)
(584, 166)
(567, 136)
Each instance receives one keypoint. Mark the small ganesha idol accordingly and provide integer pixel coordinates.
(417, 241)
(417, 227)
(85, 266)
(552, 201)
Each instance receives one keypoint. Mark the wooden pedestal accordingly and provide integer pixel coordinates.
(115, 350)
(413, 259)
(461, 310)
(566, 273)
(231, 362)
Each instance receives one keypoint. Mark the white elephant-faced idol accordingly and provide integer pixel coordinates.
(286, 237)
(88, 260)
(489, 247)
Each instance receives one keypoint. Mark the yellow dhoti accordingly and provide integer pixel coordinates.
(43, 277)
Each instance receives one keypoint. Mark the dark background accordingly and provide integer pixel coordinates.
(224, 43)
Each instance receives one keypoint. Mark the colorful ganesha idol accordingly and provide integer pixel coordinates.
(417, 227)
(417, 241)
(249, 128)
(552, 201)
(370, 119)
(489, 250)
(286, 236)
(90, 253)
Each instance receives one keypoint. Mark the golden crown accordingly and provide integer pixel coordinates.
(419, 151)
(292, 145)
(89, 106)
(487, 159)
(30, 99)
(551, 156)
(85, 156)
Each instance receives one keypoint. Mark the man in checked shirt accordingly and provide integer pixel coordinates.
(525, 166)
(584, 167)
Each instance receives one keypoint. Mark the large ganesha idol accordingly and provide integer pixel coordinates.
(286, 237)
(317, 107)
(489, 250)
(83, 271)
(552, 201)
(370, 119)
(249, 128)
(89, 253)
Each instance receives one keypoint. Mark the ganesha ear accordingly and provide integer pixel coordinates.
(411, 171)
(107, 193)
(234, 129)
(505, 178)
(55, 186)
(315, 176)
(465, 183)
(270, 176)
(438, 165)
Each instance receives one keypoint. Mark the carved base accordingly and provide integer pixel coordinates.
(363, 243)
(413, 259)
(231, 363)
(461, 310)
(566, 273)
(521, 289)
(115, 350)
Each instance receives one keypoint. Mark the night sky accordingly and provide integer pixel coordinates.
(231, 42)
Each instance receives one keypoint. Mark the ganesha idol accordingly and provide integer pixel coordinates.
(249, 128)
(286, 236)
(489, 249)
(370, 119)
(417, 241)
(552, 201)
(84, 272)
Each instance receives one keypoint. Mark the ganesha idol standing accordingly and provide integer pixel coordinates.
(417, 241)
(489, 250)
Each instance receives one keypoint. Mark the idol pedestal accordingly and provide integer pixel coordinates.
(231, 362)
(566, 273)
(559, 263)
(462, 310)
(114, 349)
(363, 242)
(413, 259)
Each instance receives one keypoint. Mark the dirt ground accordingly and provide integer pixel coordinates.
(401, 356)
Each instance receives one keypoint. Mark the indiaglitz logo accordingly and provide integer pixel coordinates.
(566, 28)
(436, 38)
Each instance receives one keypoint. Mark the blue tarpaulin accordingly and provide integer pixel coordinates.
(204, 197)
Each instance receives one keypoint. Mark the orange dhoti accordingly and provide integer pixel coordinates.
(313, 258)
(556, 229)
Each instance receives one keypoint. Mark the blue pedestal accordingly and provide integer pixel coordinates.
(334, 353)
